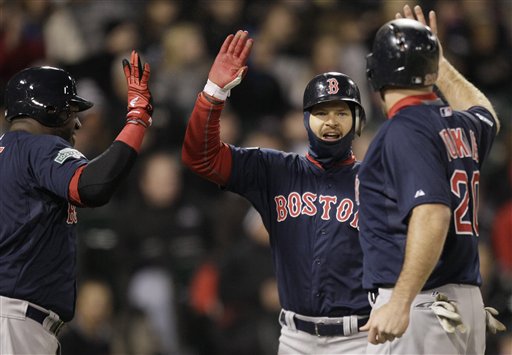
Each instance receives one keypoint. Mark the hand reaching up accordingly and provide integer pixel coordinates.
(420, 17)
(229, 66)
(140, 108)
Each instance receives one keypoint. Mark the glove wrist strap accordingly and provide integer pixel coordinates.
(139, 117)
(214, 90)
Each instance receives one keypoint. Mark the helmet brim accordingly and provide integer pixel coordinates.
(81, 103)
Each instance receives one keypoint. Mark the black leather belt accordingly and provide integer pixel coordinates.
(322, 329)
(55, 325)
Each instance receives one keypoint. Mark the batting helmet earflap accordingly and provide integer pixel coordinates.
(405, 54)
(42, 93)
(334, 86)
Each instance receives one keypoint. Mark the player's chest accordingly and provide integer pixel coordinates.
(328, 198)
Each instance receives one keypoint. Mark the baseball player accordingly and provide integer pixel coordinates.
(418, 191)
(307, 202)
(42, 181)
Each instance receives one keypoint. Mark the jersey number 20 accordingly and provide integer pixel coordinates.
(466, 219)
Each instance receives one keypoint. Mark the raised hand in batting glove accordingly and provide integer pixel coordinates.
(447, 313)
(229, 65)
(492, 324)
(140, 106)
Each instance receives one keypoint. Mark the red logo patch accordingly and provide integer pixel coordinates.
(72, 215)
(333, 86)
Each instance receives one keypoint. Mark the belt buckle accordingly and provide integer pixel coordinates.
(56, 327)
(316, 328)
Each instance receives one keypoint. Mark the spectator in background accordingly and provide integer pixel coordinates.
(93, 17)
(295, 137)
(218, 17)
(502, 238)
(63, 47)
(118, 37)
(236, 301)
(21, 36)
(496, 290)
(499, 190)
(490, 47)
(248, 294)
(165, 235)
(91, 330)
(183, 65)
(158, 16)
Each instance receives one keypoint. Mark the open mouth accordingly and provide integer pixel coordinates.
(331, 136)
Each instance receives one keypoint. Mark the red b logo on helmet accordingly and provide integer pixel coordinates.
(333, 86)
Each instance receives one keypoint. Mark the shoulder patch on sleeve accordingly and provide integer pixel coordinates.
(66, 153)
(484, 119)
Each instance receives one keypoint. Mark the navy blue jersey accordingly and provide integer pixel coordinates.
(37, 234)
(425, 154)
(311, 217)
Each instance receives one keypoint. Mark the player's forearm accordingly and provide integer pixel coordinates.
(428, 227)
(203, 152)
(459, 92)
(94, 184)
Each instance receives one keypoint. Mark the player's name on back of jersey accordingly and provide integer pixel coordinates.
(457, 144)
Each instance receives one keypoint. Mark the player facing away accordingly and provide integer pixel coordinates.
(307, 203)
(42, 181)
(418, 193)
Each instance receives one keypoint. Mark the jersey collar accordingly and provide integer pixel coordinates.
(411, 101)
(348, 161)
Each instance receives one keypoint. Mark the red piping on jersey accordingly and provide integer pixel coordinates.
(350, 160)
(411, 101)
(74, 196)
(203, 151)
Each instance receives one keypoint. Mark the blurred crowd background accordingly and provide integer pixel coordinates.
(175, 265)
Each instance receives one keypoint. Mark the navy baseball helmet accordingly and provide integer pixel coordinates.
(334, 86)
(42, 93)
(405, 54)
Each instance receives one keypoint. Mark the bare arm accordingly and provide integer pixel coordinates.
(459, 92)
(426, 234)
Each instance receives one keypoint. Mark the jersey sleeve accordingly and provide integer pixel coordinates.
(415, 167)
(249, 175)
(53, 163)
(484, 124)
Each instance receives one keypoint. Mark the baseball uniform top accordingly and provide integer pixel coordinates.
(309, 212)
(37, 234)
(425, 153)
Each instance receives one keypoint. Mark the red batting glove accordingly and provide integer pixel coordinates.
(140, 108)
(229, 65)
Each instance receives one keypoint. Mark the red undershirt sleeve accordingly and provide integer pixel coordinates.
(203, 152)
